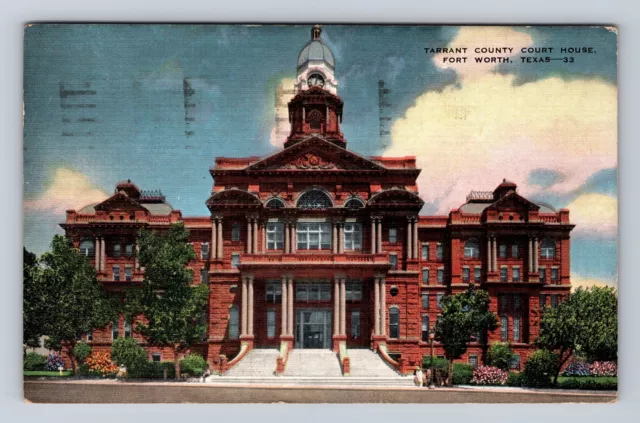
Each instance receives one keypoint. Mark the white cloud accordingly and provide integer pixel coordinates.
(594, 214)
(587, 282)
(474, 134)
(282, 127)
(68, 190)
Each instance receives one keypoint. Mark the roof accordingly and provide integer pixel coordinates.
(316, 50)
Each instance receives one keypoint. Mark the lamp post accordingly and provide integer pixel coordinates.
(432, 336)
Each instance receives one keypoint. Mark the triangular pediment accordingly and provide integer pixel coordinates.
(513, 201)
(315, 153)
(119, 201)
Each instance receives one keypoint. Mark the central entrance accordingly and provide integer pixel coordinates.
(313, 328)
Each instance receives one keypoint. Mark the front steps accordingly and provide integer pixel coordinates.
(397, 381)
(258, 362)
(366, 363)
(313, 363)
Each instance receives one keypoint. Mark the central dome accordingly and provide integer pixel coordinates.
(316, 50)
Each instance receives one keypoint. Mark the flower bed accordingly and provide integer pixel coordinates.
(54, 362)
(603, 368)
(489, 375)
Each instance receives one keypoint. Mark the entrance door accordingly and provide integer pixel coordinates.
(313, 328)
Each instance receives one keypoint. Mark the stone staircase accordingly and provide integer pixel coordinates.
(313, 363)
(366, 363)
(258, 362)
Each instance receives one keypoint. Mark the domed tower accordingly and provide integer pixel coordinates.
(315, 109)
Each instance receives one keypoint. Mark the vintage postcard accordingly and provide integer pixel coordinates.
(320, 213)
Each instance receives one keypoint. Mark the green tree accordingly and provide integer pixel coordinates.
(463, 316)
(586, 322)
(71, 301)
(173, 309)
(499, 355)
(32, 301)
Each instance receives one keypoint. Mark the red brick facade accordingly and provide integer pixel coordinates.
(327, 225)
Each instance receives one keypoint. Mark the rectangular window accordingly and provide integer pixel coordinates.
(425, 276)
(440, 276)
(115, 333)
(425, 251)
(504, 328)
(235, 260)
(204, 250)
(275, 236)
(514, 364)
(234, 322)
(543, 301)
(554, 275)
(503, 274)
(353, 291)
(393, 260)
(439, 252)
(273, 293)
(503, 251)
(204, 276)
(466, 274)
(516, 328)
(473, 360)
(352, 236)
(313, 292)
(156, 357)
(89, 336)
(116, 273)
(477, 274)
(554, 301)
(116, 250)
(515, 274)
(425, 301)
(355, 324)
(439, 300)
(128, 250)
(271, 323)
(128, 274)
(314, 236)
(394, 322)
(425, 328)
(543, 275)
(515, 253)
(393, 235)
(235, 232)
(127, 329)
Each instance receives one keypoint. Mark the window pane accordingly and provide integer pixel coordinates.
(235, 232)
(516, 328)
(503, 274)
(554, 275)
(116, 250)
(439, 252)
(128, 250)
(116, 273)
(127, 273)
(394, 323)
(271, 323)
(355, 324)
(233, 322)
(393, 235)
(466, 277)
(514, 251)
(516, 274)
(425, 300)
(543, 275)
(235, 260)
(477, 274)
(425, 276)
(425, 328)
(87, 248)
(393, 260)
(439, 300)
(440, 276)
(314, 199)
(503, 251)
(425, 252)
(504, 329)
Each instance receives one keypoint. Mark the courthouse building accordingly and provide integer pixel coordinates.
(319, 247)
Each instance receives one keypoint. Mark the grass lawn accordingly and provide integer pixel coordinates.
(41, 373)
(601, 379)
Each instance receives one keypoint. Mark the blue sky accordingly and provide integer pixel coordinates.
(138, 130)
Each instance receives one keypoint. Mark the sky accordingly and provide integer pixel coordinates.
(551, 127)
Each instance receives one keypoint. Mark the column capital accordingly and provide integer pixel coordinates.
(216, 217)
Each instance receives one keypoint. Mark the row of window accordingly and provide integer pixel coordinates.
(424, 254)
(516, 274)
(128, 273)
(309, 292)
(87, 248)
(472, 250)
(426, 297)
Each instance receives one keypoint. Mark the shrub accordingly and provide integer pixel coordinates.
(101, 364)
(438, 363)
(127, 352)
(193, 365)
(603, 368)
(54, 361)
(499, 355)
(588, 384)
(33, 361)
(539, 369)
(514, 379)
(489, 375)
(462, 374)
(577, 369)
(81, 351)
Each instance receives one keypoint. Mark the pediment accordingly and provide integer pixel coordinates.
(395, 197)
(513, 201)
(119, 201)
(315, 153)
(233, 197)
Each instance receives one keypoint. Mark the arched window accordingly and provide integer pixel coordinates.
(353, 204)
(548, 249)
(472, 249)
(315, 119)
(274, 204)
(394, 322)
(86, 247)
(314, 199)
(234, 322)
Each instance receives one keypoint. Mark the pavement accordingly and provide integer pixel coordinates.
(112, 391)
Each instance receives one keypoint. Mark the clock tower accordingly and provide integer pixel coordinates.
(316, 110)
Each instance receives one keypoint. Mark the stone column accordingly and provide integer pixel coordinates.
(290, 297)
(379, 234)
(536, 254)
(416, 240)
(373, 235)
(408, 240)
(530, 255)
(250, 306)
(294, 237)
(103, 254)
(489, 255)
(383, 307)
(264, 236)
(244, 306)
(287, 238)
(343, 307)
(96, 254)
(214, 238)
(334, 238)
(220, 240)
(376, 307)
(249, 235)
(340, 237)
(255, 235)
(283, 330)
(336, 305)
(495, 254)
